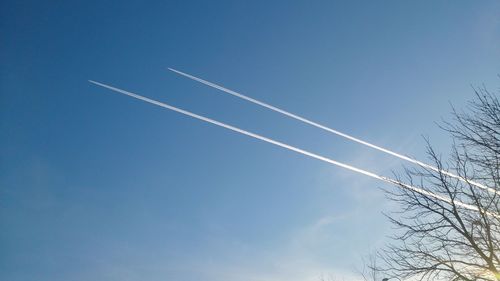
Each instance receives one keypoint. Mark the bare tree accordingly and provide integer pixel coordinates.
(370, 271)
(438, 240)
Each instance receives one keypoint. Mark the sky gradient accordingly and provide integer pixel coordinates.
(98, 186)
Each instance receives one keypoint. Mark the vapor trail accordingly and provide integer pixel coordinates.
(289, 147)
(323, 127)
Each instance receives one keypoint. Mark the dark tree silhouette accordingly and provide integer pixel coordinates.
(438, 240)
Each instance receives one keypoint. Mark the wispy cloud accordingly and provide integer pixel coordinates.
(296, 260)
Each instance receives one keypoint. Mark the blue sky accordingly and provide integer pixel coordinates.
(98, 186)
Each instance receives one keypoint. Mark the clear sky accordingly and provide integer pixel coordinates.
(99, 186)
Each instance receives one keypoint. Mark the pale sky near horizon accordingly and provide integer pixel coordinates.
(99, 186)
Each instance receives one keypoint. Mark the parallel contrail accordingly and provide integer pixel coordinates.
(289, 147)
(323, 127)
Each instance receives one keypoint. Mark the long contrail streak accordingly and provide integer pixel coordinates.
(323, 127)
(289, 147)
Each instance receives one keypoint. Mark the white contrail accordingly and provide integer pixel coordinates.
(317, 125)
(289, 147)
